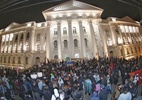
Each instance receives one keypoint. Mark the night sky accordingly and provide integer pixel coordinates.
(22, 11)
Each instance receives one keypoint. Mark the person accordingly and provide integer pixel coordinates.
(117, 92)
(95, 96)
(47, 94)
(125, 95)
(57, 95)
(88, 86)
(103, 95)
(77, 94)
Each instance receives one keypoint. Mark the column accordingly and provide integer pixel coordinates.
(13, 43)
(24, 42)
(42, 39)
(82, 42)
(59, 39)
(48, 41)
(129, 34)
(93, 39)
(113, 31)
(31, 46)
(71, 46)
(18, 42)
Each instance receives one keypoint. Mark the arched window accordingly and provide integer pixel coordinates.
(65, 44)
(55, 31)
(74, 30)
(38, 47)
(55, 44)
(28, 36)
(86, 42)
(26, 60)
(84, 30)
(64, 30)
(109, 42)
(38, 37)
(19, 60)
(75, 43)
(56, 57)
(21, 37)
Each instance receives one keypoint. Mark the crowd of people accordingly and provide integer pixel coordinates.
(62, 81)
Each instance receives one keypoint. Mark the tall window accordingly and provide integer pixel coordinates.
(64, 30)
(4, 59)
(74, 30)
(109, 42)
(21, 37)
(13, 60)
(8, 59)
(28, 36)
(65, 44)
(86, 42)
(55, 31)
(26, 60)
(27, 47)
(16, 38)
(56, 57)
(75, 43)
(55, 44)
(38, 37)
(19, 60)
(11, 37)
(38, 47)
(3, 38)
(84, 30)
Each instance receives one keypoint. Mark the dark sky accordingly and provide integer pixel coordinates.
(22, 11)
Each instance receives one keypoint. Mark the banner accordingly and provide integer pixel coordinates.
(139, 72)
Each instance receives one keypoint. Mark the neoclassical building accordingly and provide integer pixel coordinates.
(71, 30)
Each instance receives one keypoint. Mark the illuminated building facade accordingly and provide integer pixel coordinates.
(72, 30)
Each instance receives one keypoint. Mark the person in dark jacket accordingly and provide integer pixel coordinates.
(103, 95)
(47, 94)
(77, 94)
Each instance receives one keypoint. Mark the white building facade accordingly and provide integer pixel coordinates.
(71, 30)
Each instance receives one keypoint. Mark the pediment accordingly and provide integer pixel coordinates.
(12, 25)
(72, 5)
(127, 19)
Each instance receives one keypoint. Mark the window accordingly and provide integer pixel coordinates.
(3, 38)
(56, 57)
(21, 37)
(38, 47)
(76, 55)
(84, 30)
(4, 59)
(7, 37)
(109, 42)
(27, 47)
(28, 36)
(55, 44)
(8, 59)
(26, 60)
(74, 29)
(55, 31)
(75, 43)
(86, 42)
(64, 30)
(135, 49)
(38, 37)
(119, 40)
(11, 37)
(16, 37)
(19, 60)
(13, 60)
(65, 44)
